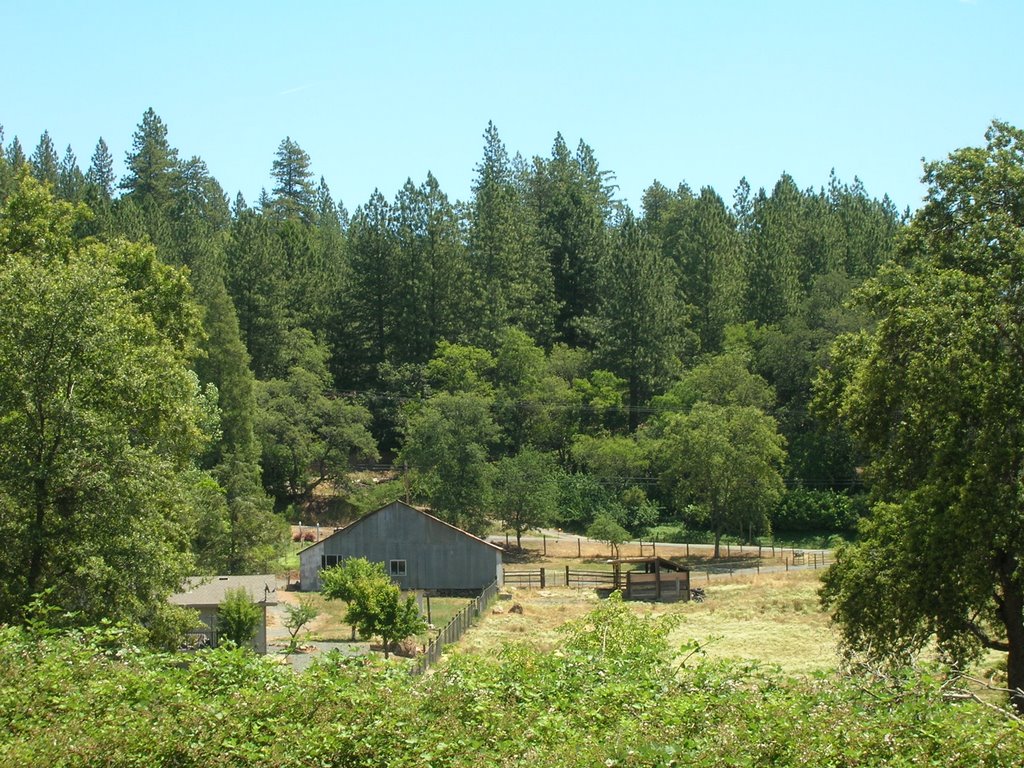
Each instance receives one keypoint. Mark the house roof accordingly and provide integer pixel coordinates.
(364, 518)
(211, 590)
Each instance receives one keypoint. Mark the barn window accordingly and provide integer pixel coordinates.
(398, 567)
(328, 561)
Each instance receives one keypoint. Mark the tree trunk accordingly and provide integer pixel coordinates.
(1012, 614)
(38, 539)
(718, 545)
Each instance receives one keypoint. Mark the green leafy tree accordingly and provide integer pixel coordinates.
(296, 616)
(459, 368)
(102, 416)
(447, 444)
(374, 603)
(724, 379)
(524, 493)
(726, 460)
(308, 433)
(607, 529)
(616, 461)
(238, 617)
(934, 394)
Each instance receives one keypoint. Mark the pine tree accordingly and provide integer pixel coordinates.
(256, 279)
(433, 274)
(638, 322)
(44, 162)
(70, 180)
(293, 192)
(572, 200)
(371, 296)
(101, 171)
(774, 269)
(700, 236)
(513, 285)
(152, 165)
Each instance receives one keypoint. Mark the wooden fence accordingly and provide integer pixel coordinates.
(541, 578)
(455, 628)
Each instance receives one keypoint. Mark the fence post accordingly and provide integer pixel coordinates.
(542, 578)
(629, 584)
(428, 610)
(687, 549)
(545, 547)
(654, 547)
(567, 575)
(579, 549)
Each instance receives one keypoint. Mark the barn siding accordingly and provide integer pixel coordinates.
(437, 556)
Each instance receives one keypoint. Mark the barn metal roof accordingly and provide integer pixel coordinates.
(350, 526)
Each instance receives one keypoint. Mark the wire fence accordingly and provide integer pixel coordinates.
(455, 628)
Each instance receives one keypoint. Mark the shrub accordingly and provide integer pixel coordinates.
(804, 510)
(237, 617)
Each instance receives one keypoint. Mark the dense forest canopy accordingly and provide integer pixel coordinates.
(540, 329)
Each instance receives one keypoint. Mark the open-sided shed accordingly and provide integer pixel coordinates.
(418, 550)
(652, 578)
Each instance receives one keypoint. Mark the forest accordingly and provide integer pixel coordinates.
(537, 354)
(182, 375)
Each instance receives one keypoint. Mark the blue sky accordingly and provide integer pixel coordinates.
(702, 92)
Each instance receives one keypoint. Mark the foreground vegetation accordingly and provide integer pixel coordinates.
(611, 695)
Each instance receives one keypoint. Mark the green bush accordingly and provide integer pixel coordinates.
(237, 618)
(612, 695)
(803, 510)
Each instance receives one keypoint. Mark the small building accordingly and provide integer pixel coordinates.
(418, 550)
(206, 593)
(656, 579)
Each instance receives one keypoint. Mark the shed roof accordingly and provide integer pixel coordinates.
(211, 590)
(663, 563)
(364, 518)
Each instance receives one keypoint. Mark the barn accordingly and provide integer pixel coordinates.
(418, 550)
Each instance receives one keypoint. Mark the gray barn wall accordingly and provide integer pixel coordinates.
(437, 556)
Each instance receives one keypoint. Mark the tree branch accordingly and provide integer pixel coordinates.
(986, 640)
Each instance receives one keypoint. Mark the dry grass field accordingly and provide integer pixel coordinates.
(770, 619)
